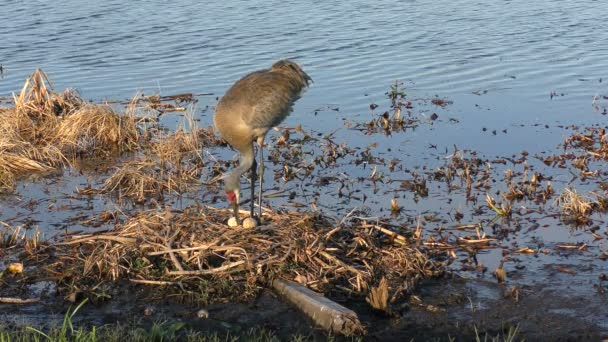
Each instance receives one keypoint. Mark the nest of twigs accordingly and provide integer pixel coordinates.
(195, 248)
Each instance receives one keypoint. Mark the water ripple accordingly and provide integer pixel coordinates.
(111, 48)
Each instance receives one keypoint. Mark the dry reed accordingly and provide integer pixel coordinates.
(173, 164)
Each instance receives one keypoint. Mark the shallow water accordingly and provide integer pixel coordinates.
(498, 62)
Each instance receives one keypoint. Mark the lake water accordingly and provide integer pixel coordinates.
(519, 50)
(498, 61)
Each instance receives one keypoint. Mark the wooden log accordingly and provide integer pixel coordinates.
(324, 312)
(8, 300)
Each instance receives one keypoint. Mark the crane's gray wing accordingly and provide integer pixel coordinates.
(265, 98)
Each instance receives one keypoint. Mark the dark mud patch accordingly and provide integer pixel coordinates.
(443, 309)
(460, 307)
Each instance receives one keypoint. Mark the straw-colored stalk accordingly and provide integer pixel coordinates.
(500, 209)
(36, 95)
(15, 164)
(18, 156)
(38, 100)
(18, 236)
(21, 126)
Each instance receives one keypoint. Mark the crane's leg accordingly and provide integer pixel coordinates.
(235, 208)
(254, 168)
(261, 175)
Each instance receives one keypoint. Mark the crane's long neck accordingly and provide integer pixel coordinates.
(233, 179)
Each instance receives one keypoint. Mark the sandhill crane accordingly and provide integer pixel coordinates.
(253, 105)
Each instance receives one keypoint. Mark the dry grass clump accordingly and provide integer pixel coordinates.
(143, 179)
(18, 126)
(195, 248)
(97, 128)
(45, 129)
(175, 147)
(185, 143)
(19, 156)
(576, 206)
(26, 130)
(38, 100)
(25, 146)
(595, 142)
(36, 96)
(134, 179)
(173, 165)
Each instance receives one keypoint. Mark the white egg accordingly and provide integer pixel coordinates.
(250, 223)
(232, 222)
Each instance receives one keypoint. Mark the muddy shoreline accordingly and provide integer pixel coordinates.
(444, 309)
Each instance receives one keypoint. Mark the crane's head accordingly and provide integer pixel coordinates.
(232, 186)
(232, 196)
(293, 70)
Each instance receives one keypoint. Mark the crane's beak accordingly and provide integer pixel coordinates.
(233, 198)
(235, 208)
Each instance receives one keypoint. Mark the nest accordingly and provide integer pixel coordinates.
(195, 247)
